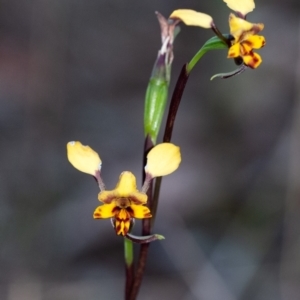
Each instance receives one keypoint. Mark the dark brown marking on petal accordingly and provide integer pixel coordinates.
(254, 60)
(130, 211)
(97, 215)
(123, 202)
(256, 28)
(121, 218)
(118, 229)
(240, 15)
(136, 201)
(115, 210)
(247, 42)
(108, 199)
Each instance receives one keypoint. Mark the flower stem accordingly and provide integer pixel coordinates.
(129, 266)
(174, 105)
(220, 35)
(175, 101)
(153, 201)
(140, 271)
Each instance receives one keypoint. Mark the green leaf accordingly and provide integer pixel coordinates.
(213, 43)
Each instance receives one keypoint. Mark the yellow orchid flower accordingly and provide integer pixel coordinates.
(245, 40)
(124, 203)
(244, 34)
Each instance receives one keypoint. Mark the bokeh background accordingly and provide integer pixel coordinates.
(78, 70)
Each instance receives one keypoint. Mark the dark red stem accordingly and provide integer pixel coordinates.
(153, 202)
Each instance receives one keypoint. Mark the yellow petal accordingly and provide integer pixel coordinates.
(107, 196)
(193, 18)
(241, 6)
(122, 222)
(163, 159)
(122, 227)
(126, 184)
(126, 188)
(138, 198)
(234, 51)
(253, 60)
(255, 41)
(105, 211)
(241, 29)
(123, 214)
(83, 158)
(238, 26)
(245, 48)
(139, 211)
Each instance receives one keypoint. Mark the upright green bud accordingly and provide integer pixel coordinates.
(158, 86)
(155, 104)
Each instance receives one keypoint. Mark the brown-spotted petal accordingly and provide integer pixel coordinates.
(122, 224)
(253, 60)
(241, 29)
(140, 211)
(255, 41)
(107, 196)
(234, 51)
(105, 211)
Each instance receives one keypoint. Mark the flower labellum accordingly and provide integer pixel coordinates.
(123, 204)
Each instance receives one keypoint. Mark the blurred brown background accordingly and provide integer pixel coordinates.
(78, 70)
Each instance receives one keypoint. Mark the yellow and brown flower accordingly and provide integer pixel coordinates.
(123, 204)
(245, 40)
(244, 34)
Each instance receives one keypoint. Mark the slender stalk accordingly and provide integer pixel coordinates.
(153, 201)
(175, 101)
(99, 180)
(220, 35)
(140, 271)
(146, 229)
(129, 266)
(174, 105)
